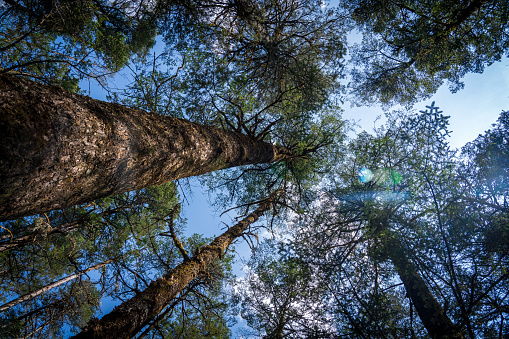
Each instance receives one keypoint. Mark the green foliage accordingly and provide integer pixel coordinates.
(206, 322)
(446, 229)
(272, 70)
(317, 144)
(497, 235)
(276, 45)
(52, 316)
(487, 167)
(489, 154)
(132, 228)
(126, 227)
(202, 309)
(65, 41)
(281, 296)
(409, 48)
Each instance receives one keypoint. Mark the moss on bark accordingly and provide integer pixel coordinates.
(131, 316)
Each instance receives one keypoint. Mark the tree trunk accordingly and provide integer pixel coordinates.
(59, 149)
(432, 315)
(131, 316)
(46, 288)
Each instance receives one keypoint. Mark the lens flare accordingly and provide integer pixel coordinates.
(387, 177)
(376, 196)
(365, 175)
(396, 177)
(383, 176)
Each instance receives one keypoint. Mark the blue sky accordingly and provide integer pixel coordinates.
(472, 110)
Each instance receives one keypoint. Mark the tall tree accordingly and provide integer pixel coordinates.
(405, 210)
(278, 45)
(81, 149)
(431, 313)
(281, 296)
(48, 287)
(132, 315)
(126, 226)
(70, 307)
(201, 309)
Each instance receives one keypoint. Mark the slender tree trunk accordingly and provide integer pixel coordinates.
(46, 288)
(131, 316)
(59, 149)
(431, 313)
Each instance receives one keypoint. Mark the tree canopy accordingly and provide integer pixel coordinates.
(383, 234)
(410, 47)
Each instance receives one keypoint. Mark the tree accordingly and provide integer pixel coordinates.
(137, 225)
(131, 316)
(81, 149)
(281, 296)
(105, 214)
(431, 313)
(489, 162)
(201, 309)
(409, 48)
(278, 45)
(276, 64)
(407, 219)
(70, 307)
(128, 227)
(46, 288)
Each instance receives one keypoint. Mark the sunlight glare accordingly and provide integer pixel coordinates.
(365, 175)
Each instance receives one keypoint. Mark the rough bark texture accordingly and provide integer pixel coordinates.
(432, 315)
(46, 288)
(59, 149)
(131, 316)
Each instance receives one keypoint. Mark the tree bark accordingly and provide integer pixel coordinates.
(46, 288)
(431, 313)
(131, 316)
(59, 149)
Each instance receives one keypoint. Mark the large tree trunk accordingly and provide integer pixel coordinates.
(48, 287)
(59, 149)
(131, 316)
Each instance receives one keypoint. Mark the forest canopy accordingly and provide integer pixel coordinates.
(388, 233)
